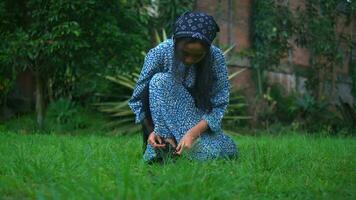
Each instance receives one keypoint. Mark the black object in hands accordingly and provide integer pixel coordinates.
(169, 148)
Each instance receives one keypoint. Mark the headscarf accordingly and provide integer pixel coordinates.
(196, 25)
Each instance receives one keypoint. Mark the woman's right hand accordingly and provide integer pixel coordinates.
(156, 141)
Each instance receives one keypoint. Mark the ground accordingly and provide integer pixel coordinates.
(292, 166)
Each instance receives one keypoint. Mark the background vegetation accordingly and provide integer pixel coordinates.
(320, 28)
(76, 53)
(73, 136)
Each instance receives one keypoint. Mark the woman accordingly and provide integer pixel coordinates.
(183, 91)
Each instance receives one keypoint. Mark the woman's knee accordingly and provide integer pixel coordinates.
(214, 147)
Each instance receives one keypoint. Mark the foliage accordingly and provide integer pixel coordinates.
(66, 114)
(272, 27)
(353, 75)
(65, 32)
(319, 27)
(165, 12)
(6, 83)
(51, 166)
(82, 120)
(318, 31)
(265, 109)
(67, 42)
(303, 111)
(347, 116)
(118, 109)
(313, 114)
(285, 110)
(235, 114)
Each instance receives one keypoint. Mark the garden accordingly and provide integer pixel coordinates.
(68, 70)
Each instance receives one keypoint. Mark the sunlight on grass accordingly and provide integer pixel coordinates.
(93, 167)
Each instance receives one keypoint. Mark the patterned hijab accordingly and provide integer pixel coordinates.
(196, 25)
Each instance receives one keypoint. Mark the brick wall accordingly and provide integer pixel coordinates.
(234, 19)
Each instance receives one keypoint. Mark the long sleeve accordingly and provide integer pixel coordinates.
(139, 99)
(220, 92)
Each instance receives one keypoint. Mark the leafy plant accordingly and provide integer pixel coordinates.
(236, 110)
(235, 114)
(321, 29)
(296, 110)
(5, 86)
(272, 27)
(62, 41)
(165, 12)
(346, 115)
(65, 115)
(119, 110)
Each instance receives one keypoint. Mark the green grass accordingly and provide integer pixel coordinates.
(97, 167)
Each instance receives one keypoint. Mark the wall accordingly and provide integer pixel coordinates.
(234, 18)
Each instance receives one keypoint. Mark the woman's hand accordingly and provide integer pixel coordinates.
(156, 141)
(188, 139)
(185, 143)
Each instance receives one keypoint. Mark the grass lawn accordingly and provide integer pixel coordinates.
(96, 167)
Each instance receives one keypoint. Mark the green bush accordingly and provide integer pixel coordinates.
(303, 111)
(65, 116)
(66, 43)
(236, 113)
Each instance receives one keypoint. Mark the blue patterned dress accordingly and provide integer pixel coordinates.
(172, 107)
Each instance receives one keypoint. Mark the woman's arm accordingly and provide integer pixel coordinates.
(198, 129)
(219, 100)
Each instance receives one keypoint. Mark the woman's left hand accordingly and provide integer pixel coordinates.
(185, 143)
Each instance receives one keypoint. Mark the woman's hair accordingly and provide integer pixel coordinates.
(201, 91)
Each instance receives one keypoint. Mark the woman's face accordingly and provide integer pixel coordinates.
(191, 53)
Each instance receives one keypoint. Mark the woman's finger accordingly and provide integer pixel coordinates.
(178, 147)
(159, 139)
(153, 143)
(150, 140)
(179, 152)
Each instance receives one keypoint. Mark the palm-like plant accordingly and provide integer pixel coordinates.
(122, 114)
(119, 110)
(236, 104)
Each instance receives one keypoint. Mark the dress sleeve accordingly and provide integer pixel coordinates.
(139, 99)
(220, 92)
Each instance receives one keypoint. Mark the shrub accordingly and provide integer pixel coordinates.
(64, 115)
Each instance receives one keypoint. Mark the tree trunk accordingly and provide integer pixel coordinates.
(320, 83)
(333, 81)
(259, 81)
(39, 100)
(50, 90)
